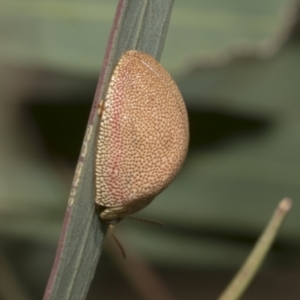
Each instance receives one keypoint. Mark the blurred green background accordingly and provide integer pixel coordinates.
(237, 64)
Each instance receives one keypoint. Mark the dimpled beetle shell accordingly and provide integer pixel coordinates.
(143, 136)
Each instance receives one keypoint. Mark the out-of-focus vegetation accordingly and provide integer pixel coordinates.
(236, 63)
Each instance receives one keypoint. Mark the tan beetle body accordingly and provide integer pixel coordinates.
(143, 136)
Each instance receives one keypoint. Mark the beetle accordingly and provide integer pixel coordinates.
(142, 139)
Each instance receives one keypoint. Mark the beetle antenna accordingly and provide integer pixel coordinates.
(110, 231)
(146, 221)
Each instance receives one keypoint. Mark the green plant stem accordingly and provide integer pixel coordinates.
(140, 25)
(245, 275)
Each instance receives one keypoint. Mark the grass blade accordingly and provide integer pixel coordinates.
(141, 25)
(245, 275)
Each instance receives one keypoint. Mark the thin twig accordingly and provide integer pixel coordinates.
(10, 287)
(245, 275)
(140, 274)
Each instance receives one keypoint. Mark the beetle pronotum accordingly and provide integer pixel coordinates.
(143, 137)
